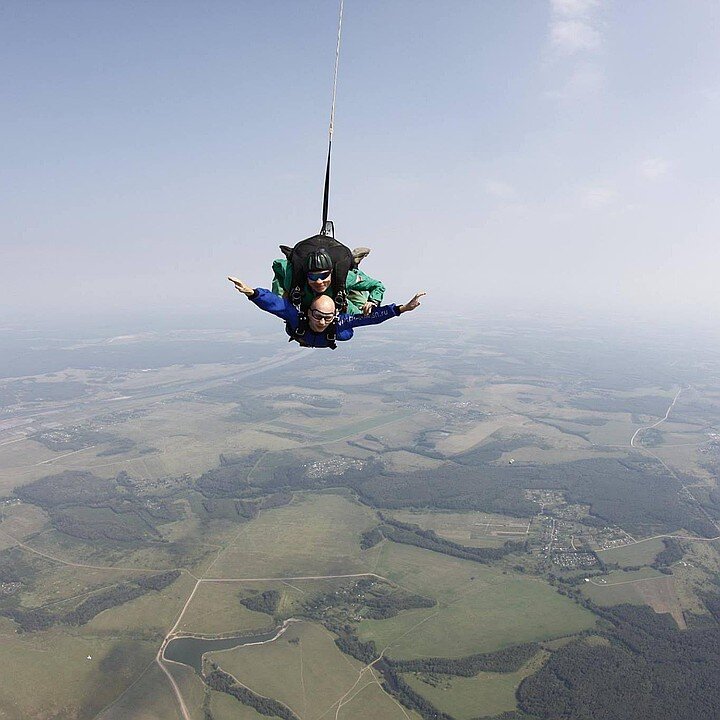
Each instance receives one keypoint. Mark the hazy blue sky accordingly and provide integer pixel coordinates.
(534, 153)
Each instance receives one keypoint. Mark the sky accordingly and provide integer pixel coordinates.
(542, 156)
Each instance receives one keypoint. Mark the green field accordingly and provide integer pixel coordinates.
(22, 462)
(183, 540)
(641, 553)
(72, 685)
(480, 609)
(56, 582)
(475, 529)
(188, 436)
(19, 521)
(304, 670)
(121, 641)
(466, 698)
(226, 707)
(620, 587)
(362, 426)
(216, 609)
(150, 615)
(312, 428)
(314, 535)
(192, 689)
(152, 698)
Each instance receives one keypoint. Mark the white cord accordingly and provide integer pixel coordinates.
(335, 76)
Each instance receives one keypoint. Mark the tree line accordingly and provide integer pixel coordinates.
(634, 493)
(35, 619)
(410, 534)
(221, 681)
(506, 660)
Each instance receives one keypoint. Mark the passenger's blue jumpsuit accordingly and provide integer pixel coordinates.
(344, 325)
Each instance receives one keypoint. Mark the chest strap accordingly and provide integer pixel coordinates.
(298, 334)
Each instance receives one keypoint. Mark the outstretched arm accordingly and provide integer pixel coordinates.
(240, 286)
(381, 314)
(267, 301)
(411, 304)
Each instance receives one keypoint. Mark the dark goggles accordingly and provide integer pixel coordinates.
(318, 315)
(322, 275)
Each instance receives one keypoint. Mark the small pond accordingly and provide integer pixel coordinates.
(189, 650)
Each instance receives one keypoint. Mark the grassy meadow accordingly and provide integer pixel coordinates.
(642, 553)
(314, 535)
(484, 694)
(474, 529)
(304, 670)
(479, 609)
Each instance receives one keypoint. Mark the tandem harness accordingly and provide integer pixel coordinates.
(298, 334)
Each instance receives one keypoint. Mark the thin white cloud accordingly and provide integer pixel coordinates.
(572, 36)
(597, 197)
(582, 81)
(585, 79)
(499, 189)
(654, 168)
(573, 8)
(575, 37)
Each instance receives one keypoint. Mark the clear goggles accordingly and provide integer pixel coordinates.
(318, 315)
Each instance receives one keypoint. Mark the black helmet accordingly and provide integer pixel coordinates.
(319, 260)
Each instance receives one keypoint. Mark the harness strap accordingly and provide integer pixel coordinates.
(341, 301)
(298, 334)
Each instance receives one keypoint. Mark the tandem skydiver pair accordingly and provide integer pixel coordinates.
(317, 288)
(321, 294)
